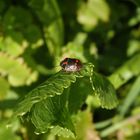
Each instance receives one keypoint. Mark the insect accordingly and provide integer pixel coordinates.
(71, 65)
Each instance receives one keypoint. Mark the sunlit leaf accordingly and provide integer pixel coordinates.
(9, 133)
(18, 73)
(131, 97)
(11, 47)
(126, 72)
(134, 47)
(91, 12)
(4, 86)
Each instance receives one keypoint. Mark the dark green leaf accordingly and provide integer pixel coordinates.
(52, 87)
(51, 110)
(104, 91)
(78, 94)
(48, 14)
(53, 114)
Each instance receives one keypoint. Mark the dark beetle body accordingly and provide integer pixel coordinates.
(71, 64)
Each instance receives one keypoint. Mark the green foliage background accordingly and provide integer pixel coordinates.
(35, 35)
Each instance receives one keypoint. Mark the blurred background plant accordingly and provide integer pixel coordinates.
(36, 35)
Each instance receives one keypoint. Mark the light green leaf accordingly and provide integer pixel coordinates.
(91, 12)
(133, 47)
(130, 69)
(4, 87)
(9, 133)
(75, 48)
(17, 71)
(11, 47)
(131, 97)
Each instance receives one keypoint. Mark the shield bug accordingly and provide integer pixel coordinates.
(71, 65)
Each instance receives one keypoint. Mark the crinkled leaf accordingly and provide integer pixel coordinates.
(51, 110)
(48, 106)
(55, 85)
(52, 114)
(104, 91)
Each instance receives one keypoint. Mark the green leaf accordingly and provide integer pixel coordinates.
(130, 69)
(11, 47)
(131, 97)
(53, 114)
(16, 36)
(90, 13)
(105, 91)
(55, 85)
(9, 133)
(47, 104)
(4, 87)
(2, 6)
(51, 106)
(75, 48)
(83, 126)
(48, 13)
(78, 94)
(133, 47)
(137, 2)
(17, 71)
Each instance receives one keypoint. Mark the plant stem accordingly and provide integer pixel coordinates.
(116, 126)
